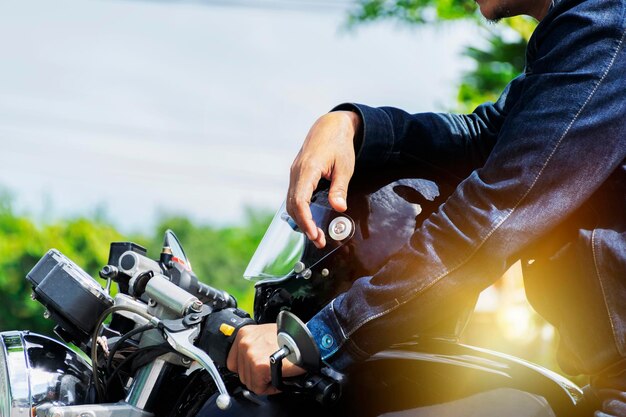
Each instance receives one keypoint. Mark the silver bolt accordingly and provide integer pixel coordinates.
(299, 267)
(46, 314)
(152, 303)
(339, 227)
(307, 274)
(186, 361)
(196, 306)
(325, 272)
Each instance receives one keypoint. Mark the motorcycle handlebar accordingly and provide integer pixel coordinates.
(133, 264)
(217, 299)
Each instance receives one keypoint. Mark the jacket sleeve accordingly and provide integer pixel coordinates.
(456, 143)
(557, 144)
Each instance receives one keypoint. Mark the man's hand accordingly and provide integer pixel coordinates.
(250, 358)
(328, 151)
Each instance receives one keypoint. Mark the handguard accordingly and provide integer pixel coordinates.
(219, 332)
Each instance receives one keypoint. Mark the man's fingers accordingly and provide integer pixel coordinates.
(249, 376)
(254, 345)
(241, 366)
(299, 200)
(320, 241)
(304, 219)
(260, 377)
(271, 390)
(291, 370)
(338, 192)
(233, 358)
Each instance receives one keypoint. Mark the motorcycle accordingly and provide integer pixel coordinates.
(162, 353)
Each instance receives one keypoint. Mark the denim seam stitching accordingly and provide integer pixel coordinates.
(598, 275)
(446, 272)
(332, 309)
(357, 349)
(364, 133)
(340, 343)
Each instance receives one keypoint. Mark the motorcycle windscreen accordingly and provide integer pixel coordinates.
(284, 245)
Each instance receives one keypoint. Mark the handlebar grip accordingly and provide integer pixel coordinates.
(219, 332)
(215, 298)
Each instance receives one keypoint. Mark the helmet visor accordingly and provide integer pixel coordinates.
(284, 247)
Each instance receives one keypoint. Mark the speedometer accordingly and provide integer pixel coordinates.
(73, 298)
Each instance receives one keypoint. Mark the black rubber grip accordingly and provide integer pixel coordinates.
(215, 298)
(219, 332)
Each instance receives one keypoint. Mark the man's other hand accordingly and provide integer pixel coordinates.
(250, 358)
(328, 152)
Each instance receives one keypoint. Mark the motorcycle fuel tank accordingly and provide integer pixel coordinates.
(434, 378)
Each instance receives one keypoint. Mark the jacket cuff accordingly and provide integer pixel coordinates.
(335, 349)
(376, 134)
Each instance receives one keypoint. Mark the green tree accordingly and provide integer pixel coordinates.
(496, 61)
(22, 244)
(218, 255)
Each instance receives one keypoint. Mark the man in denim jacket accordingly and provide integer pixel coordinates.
(544, 173)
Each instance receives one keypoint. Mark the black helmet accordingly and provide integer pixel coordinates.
(383, 212)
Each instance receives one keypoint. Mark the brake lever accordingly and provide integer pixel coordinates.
(182, 342)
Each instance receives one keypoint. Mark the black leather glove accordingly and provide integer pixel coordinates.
(219, 332)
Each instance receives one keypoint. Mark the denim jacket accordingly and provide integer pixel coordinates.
(544, 173)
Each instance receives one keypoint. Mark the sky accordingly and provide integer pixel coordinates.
(140, 108)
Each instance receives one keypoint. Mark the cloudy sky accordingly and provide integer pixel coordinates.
(196, 108)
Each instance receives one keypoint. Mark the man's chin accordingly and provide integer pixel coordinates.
(493, 17)
(496, 17)
(494, 14)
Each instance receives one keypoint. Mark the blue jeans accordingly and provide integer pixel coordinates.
(544, 180)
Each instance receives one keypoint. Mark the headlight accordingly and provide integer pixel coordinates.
(35, 369)
(4, 384)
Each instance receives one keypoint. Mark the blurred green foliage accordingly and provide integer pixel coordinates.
(218, 255)
(497, 56)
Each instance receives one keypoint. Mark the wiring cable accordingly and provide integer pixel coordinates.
(123, 339)
(155, 349)
(94, 345)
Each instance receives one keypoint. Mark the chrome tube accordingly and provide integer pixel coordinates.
(171, 296)
(142, 392)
